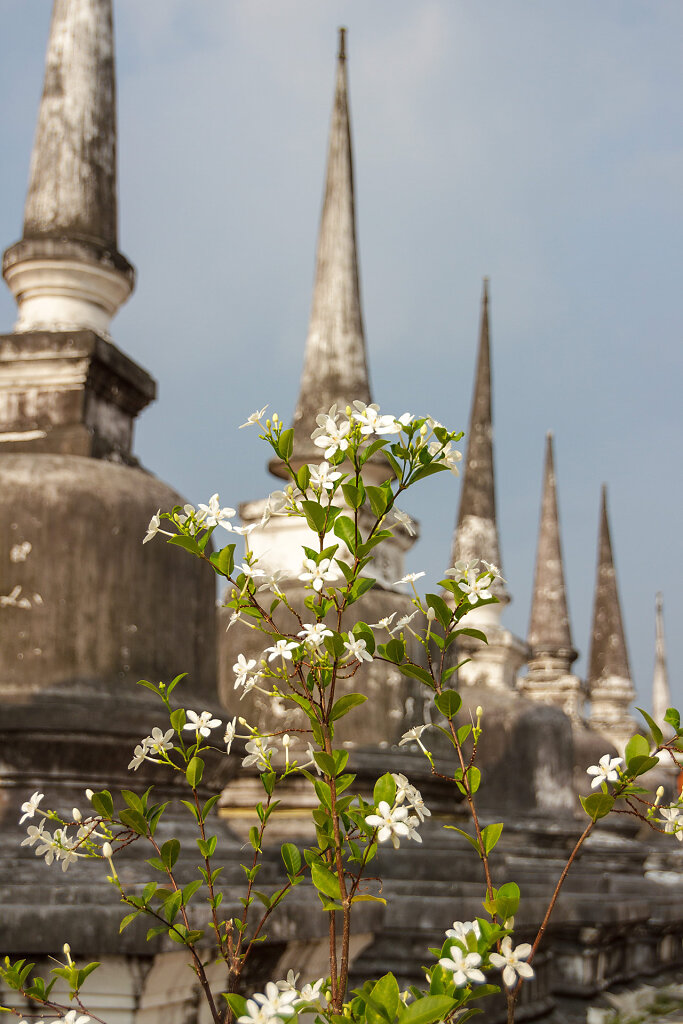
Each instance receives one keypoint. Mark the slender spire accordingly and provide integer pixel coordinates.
(609, 675)
(476, 534)
(549, 629)
(66, 272)
(661, 693)
(335, 365)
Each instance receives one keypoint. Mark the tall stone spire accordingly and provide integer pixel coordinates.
(610, 687)
(64, 387)
(476, 533)
(661, 693)
(66, 272)
(335, 364)
(549, 638)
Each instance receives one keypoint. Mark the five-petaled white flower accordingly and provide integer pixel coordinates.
(462, 568)
(494, 570)
(512, 961)
(330, 435)
(371, 422)
(281, 649)
(72, 1017)
(674, 821)
(214, 515)
(403, 621)
(242, 668)
(153, 528)
(465, 966)
(34, 832)
(404, 519)
(31, 806)
(391, 823)
(316, 575)
(357, 648)
(461, 930)
(139, 755)
(250, 571)
(230, 730)
(606, 770)
(410, 577)
(314, 634)
(201, 724)
(159, 741)
(323, 476)
(478, 589)
(254, 418)
(413, 736)
(257, 754)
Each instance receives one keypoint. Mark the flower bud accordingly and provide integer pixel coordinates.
(77, 816)
(89, 794)
(275, 417)
(659, 794)
(431, 614)
(107, 851)
(480, 711)
(242, 721)
(66, 949)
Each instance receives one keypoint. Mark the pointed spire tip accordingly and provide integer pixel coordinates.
(342, 42)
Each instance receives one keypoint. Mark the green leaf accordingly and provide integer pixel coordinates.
(673, 717)
(334, 644)
(194, 772)
(178, 719)
(134, 820)
(324, 880)
(378, 500)
(189, 543)
(641, 764)
(472, 840)
(325, 762)
(172, 685)
(286, 444)
(237, 1004)
(394, 650)
(169, 852)
(291, 858)
(103, 804)
(362, 631)
(468, 631)
(128, 919)
(223, 561)
(448, 702)
(428, 1009)
(303, 478)
(383, 1001)
(597, 805)
(637, 746)
(463, 732)
(360, 587)
(315, 515)
(474, 778)
(345, 529)
(342, 706)
(355, 496)
(385, 789)
(150, 686)
(443, 613)
(415, 672)
(507, 900)
(491, 834)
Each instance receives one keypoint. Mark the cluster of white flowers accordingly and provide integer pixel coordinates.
(194, 519)
(71, 1017)
(281, 1000)
(157, 743)
(332, 432)
(672, 819)
(465, 964)
(396, 822)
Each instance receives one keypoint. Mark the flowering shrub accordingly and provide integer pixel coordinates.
(307, 665)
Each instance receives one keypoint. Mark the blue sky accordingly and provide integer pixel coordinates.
(539, 144)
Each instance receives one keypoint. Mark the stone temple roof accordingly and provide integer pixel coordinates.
(608, 655)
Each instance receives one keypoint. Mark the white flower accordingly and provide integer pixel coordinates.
(478, 589)
(412, 822)
(289, 984)
(65, 851)
(20, 552)
(73, 1017)
(31, 806)
(316, 575)
(47, 848)
(250, 682)
(450, 456)
(201, 724)
(153, 528)
(465, 966)
(272, 582)
(403, 621)
(418, 805)
(257, 754)
(214, 515)
(674, 821)
(391, 823)
(159, 741)
(139, 755)
(410, 577)
(399, 422)
(314, 634)
(357, 649)
(461, 930)
(371, 422)
(310, 993)
(512, 961)
(243, 531)
(606, 770)
(461, 569)
(34, 832)
(250, 571)
(230, 730)
(254, 418)
(413, 736)
(275, 1004)
(323, 476)
(404, 519)
(494, 570)
(242, 668)
(281, 649)
(383, 623)
(330, 435)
